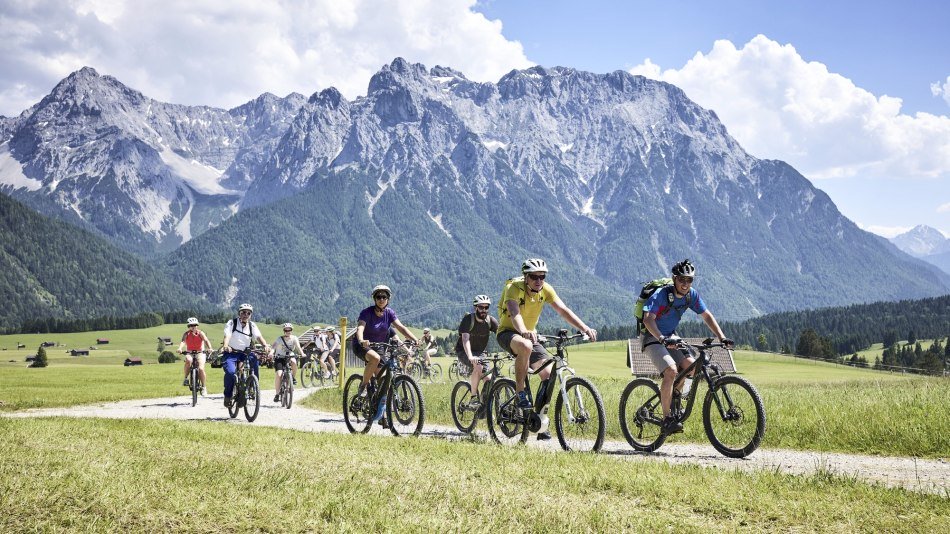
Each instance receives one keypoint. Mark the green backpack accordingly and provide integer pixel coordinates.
(647, 291)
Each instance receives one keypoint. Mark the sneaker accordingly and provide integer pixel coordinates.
(186, 383)
(277, 397)
(474, 404)
(326, 375)
(384, 423)
(671, 426)
(524, 401)
(227, 402)
(362, 392)
(294, 380)
(204, 392)
(544, 436)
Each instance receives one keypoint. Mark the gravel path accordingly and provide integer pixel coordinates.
(922, 475)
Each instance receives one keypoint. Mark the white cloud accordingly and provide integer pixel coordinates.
(226, 52)
(941, 90)
(780, 106)
(886, 231)
(944, 208)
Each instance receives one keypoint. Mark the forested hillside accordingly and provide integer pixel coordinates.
(55, 270)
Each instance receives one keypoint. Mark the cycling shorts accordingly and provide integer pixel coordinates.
(660, 355)
(538, 352)
(282, 363)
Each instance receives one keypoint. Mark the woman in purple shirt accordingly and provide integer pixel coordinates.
(373, 327)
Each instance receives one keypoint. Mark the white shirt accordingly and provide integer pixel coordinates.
(291, 348)
(241, 338)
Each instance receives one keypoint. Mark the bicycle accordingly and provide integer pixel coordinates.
(286, 391)
(736, 427)
(573, 412)
(464, 415)
(193, 377)
(247, 392)
(420, 371)
(405, 406)
(310, 373)
(458, 371)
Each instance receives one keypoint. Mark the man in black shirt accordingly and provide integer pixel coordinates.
(474, 331)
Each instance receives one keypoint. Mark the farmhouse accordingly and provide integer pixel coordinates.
(133, 361)
(48, 344)
(102, 341)
(76, 352)
(166, 340)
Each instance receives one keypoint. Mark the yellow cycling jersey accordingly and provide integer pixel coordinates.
(531, 305)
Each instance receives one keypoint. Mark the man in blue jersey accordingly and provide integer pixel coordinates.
(661, 315)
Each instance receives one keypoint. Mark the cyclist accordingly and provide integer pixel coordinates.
(284, 348)
(239, 334)
(328, 357)
(428, 347)
(373, 326)
(661, 315)
(194, 340)
(523, 301)
(474, 331)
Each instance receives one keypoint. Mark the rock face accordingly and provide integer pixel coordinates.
(611, 177)
(926, 243)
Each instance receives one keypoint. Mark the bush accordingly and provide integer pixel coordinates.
(41, 360)
(167, 357)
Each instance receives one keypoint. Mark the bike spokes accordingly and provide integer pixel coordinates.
(579, 418)
(641, 415)
(734, 416)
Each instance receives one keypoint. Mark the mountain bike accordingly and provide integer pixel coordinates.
(431, 373)
(286, 391)
(579, 419)
(733, 413)
(404, 404)
(193, 377)
(463, 413)
(247, 393)
(458, 370)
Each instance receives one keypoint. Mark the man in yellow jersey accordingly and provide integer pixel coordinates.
(523, 301)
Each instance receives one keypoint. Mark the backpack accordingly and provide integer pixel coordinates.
(647, 291)
(250, 325)
(518, 281)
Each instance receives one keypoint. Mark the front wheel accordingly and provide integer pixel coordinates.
(579, 419)
(253, 404)
(306, 374)
(734, 416)
(405, 407)
(357, 411)
(506, 422)
(641, 415)
(195, 386)
(435, 373)
(454, 371)
(462, 413)
(287, 391)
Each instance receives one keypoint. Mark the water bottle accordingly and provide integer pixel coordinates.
(687, 384)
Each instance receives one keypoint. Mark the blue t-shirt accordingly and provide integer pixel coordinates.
(377, 328)
(668, 317)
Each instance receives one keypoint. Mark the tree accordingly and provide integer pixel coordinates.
(890, 337)
(41, 360)
(762, 343)
(911, 338)
(167, 357)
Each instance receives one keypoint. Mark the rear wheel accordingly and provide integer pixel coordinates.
(505, 420)
(462, 414)
(253, 404)
(735, 431)
(579, 419)
(357, 411)
(435, 373)
(236, 391)
(454, 371)
(641, 415)
(195, 386)
(306, 378)
(405, 407)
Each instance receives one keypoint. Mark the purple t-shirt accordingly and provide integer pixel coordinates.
(377, 328)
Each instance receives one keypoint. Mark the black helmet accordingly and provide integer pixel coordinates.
(684, 268)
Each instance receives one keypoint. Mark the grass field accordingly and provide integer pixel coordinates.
(142, 475)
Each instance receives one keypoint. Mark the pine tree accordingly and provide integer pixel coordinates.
(41, 359)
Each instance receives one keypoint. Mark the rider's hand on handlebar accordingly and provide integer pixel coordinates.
(530, 336)
(728, 343)
(671, 341)
(591, 334)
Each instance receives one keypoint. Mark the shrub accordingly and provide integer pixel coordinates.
(167, 357)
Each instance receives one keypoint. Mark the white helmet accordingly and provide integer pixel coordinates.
(287, 325)
(193, 321)
(246, 306)
(382, 288)
(425, 330)
(534, 265)
(331, 328)
(481, 299)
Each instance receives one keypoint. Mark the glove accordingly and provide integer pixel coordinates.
(727, 342)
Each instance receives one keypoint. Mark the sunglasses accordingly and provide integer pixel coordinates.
(381, 297)
(288, 331)
(192, 326)
(481, 308)
(685, 279)
(245, 312)
(537, 276)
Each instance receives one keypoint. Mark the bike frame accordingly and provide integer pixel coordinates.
(703, 363)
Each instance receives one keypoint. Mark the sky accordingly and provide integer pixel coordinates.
(854, 95)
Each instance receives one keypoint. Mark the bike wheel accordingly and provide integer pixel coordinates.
(641, 415)
(235, 407)
(356, 413)
(288, 389)
(195, 386)
(305, 378)
(454, 371)
(253, 403)
(463, 416)
(505, 420)
(585, 432)
(405, 407)
(435, 373)
(734, 416)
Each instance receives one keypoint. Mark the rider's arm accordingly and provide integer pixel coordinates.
(181, 346)
(206, 341)
(712, 324)
(360, 327)
(405, 331)
(516, 319)
(568, 315)
(261, 340)
(226, 345)
(467, 347)
(297, 348)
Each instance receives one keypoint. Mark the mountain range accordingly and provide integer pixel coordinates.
(926, 243)
(439, 186)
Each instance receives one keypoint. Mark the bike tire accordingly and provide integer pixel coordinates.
(305, 378)
(505, 420)
(465, 419)
(195, 386)
(741, 433)
(454, 371)
(589, 428)
(252, 404)
(354, 409)
(235, 408)
(288, 389)
(641, 415)
(435, 373)
(405, 407)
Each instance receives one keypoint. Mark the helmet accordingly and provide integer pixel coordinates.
(287, 325)
(382, 288)
(534, 265)
(246, 306)
(425, 330)
(684, 268)
(331, 328)
(192, 321)
(481, 299)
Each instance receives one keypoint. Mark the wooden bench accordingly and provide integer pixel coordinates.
(641, 365)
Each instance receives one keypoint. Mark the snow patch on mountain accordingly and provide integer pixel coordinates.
(437, 219)
(11, 172)
(200, 177)
(494, 145)
(231, 293)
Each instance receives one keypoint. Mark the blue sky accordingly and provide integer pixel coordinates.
(855, 95)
